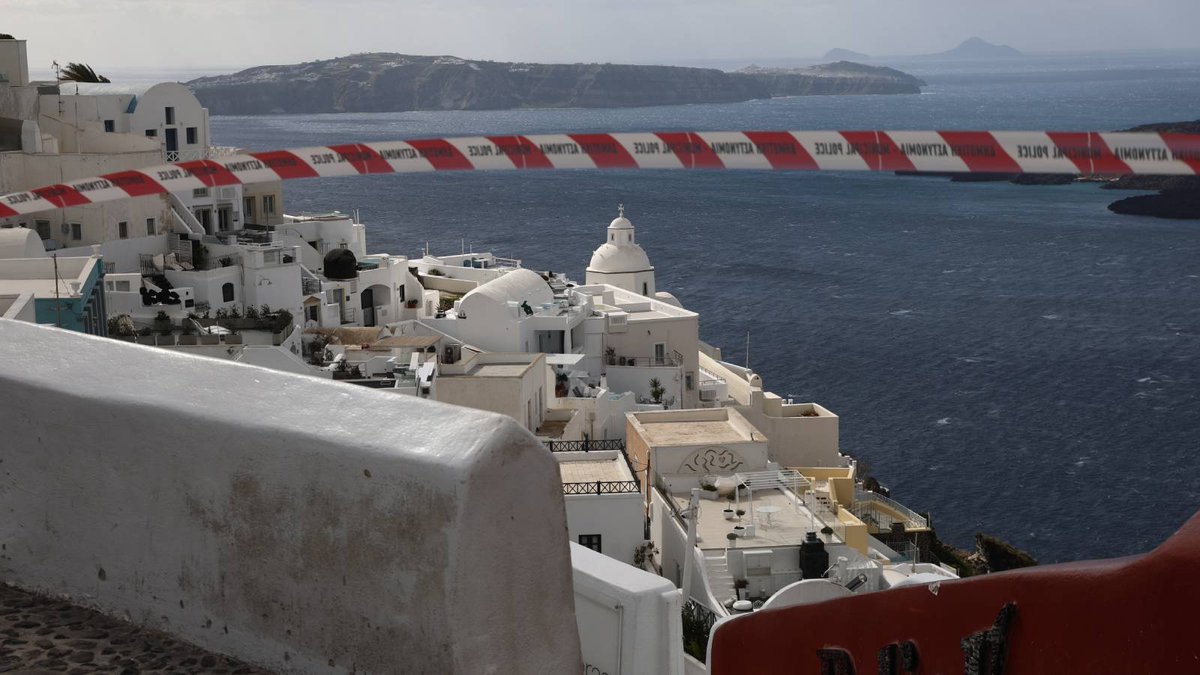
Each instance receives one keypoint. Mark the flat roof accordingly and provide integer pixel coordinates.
(594, 470)
(787, 524)
(690, 427)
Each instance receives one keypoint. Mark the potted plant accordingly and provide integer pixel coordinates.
(708, 488)
(740, 586)
(187, 330)
(145, 336)
(827, 531)
(610, 356)
(162, 322)
(728, 513)
(656, 390)
(740, 513)
(732, 537)
(739, 530)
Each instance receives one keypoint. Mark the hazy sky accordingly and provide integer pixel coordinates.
(166, 34)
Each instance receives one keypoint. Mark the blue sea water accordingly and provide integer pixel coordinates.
(1014, 360)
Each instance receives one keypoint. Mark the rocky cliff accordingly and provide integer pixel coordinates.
(397, 82)
(841, 77)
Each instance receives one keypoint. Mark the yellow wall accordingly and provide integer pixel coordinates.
(841, 481)
(856, 531)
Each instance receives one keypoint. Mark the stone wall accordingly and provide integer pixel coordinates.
(295, 523)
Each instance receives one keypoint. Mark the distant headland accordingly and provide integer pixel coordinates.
(970, 49)
(385, 82)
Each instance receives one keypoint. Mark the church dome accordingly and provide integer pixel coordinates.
(613, 259)
(620, 254)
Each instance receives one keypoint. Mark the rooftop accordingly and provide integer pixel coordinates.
(778, 520)
(492, 364)
(717, 426)
(611, 469)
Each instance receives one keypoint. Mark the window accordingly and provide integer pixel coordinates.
(645, 288)
(227, 293)
(199, 193)
(192, 136)
(77, 231)
(150, 227)
(123, 230)
(169, 115)
(660, 353)
(110, 126)
(591, 541)
(268, 205)
(152, 133)
(43, 229)
(690, 380)
(122, 286)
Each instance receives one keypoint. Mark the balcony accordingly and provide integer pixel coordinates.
(601, 488)
(598, 445)
(881, 512)
(672, 360)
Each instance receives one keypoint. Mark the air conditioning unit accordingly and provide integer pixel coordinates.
(708, 395)
(618, 322)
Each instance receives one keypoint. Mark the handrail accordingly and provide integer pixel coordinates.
(864, 498)
(586, 445)
(601, 488)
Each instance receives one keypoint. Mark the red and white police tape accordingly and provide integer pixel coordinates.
(1085, 153)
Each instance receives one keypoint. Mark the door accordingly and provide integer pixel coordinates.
(660, 353)
(172, 138)
(368, 306)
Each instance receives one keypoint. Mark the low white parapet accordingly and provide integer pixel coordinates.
(629, 619)
(299, 524)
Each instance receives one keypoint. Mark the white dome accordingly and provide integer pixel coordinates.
(490, 301)
(614, 259)
(620, 254)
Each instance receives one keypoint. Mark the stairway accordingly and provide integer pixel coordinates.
(720, 581)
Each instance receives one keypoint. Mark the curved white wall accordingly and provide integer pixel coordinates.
(300, 524)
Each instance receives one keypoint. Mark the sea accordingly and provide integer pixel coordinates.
(1016, 361)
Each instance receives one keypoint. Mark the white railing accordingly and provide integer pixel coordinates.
(213, 152)
(865, 501)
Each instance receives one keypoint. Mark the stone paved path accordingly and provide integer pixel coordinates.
(41, 635)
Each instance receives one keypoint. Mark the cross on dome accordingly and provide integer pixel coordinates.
(620, 210)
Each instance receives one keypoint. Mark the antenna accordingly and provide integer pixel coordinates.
(747, 350)
(57, 302)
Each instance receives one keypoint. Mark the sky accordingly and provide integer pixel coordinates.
(222, 35)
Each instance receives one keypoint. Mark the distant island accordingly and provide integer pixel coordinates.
(839, 54)
(977, 48)
(971, 48)
(1178, 196)
(385, 82)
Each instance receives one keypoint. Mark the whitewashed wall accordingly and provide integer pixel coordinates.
(303, 525)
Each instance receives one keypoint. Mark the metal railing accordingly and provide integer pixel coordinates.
(586, 445)
(310, 285)
(868, 504)
(669, 361)
(601, 488)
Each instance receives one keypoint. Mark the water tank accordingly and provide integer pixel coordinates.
(340, 263)
(814, 559)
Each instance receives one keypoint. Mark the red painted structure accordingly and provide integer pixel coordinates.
(1126, 615)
